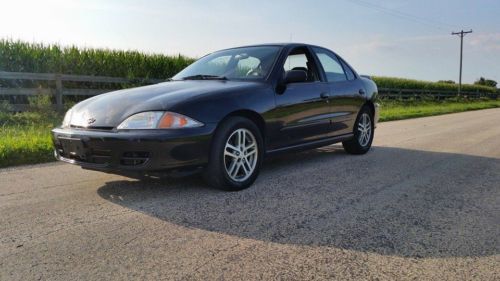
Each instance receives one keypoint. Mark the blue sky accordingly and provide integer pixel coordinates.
(390, 38)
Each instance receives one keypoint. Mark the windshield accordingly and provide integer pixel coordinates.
(240, 63)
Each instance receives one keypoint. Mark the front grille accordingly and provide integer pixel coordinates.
(134, 158)
(92, 128)
(100, 156)
(87, 155)
(100, 153)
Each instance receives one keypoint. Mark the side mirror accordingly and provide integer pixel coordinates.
(295, 76)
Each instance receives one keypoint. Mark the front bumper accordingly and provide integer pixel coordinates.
(133, 150)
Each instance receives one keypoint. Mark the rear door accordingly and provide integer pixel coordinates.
(346, 90)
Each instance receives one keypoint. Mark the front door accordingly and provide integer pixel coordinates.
(303, 108)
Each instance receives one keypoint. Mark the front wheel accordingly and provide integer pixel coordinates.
(236, 155)
(363, 133)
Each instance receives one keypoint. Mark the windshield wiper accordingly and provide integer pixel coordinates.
(204, 77)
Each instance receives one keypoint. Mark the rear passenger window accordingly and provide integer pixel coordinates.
(348, 71)
(332, 67)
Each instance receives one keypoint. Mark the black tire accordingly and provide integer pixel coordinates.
(215, 174)
(355, 145)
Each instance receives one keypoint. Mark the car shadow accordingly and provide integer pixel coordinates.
(390, 201)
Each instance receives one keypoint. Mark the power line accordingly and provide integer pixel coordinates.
(461, 34)
(407, 16)
(420, 20)
(403, 15)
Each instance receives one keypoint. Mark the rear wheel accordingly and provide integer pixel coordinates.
(236, 155)
(363, 133)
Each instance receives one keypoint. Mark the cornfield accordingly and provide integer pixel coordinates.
(18, 56)
(401, 83)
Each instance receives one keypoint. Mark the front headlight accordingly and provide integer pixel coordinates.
(158, 120)
(67, 119)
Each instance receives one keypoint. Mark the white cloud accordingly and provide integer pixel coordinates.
(486, 41)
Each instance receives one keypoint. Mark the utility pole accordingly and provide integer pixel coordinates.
(461, 34)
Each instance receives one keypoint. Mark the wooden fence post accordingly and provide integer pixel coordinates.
(59, 93)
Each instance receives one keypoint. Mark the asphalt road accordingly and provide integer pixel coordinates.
(423, 204)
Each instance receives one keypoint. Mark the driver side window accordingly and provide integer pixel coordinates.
(299, 59)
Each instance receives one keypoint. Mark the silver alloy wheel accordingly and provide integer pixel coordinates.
(240, 155)
(365, 129)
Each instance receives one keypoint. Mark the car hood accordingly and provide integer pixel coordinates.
(110, 109)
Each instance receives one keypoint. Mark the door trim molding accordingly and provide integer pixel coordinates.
(311, 144)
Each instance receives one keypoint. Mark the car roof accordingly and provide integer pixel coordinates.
(290, 44)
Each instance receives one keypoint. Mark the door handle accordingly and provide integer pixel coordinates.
(324, 95)
(361, 92)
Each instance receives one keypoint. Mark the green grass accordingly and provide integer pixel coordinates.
(405, 110)
(25, 137)
(25, 144)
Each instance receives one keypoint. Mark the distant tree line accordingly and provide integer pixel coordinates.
(486, 82)
(481, 81)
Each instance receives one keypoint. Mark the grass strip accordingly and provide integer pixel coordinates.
(25, 144)
(398, 110)
(25, 138)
